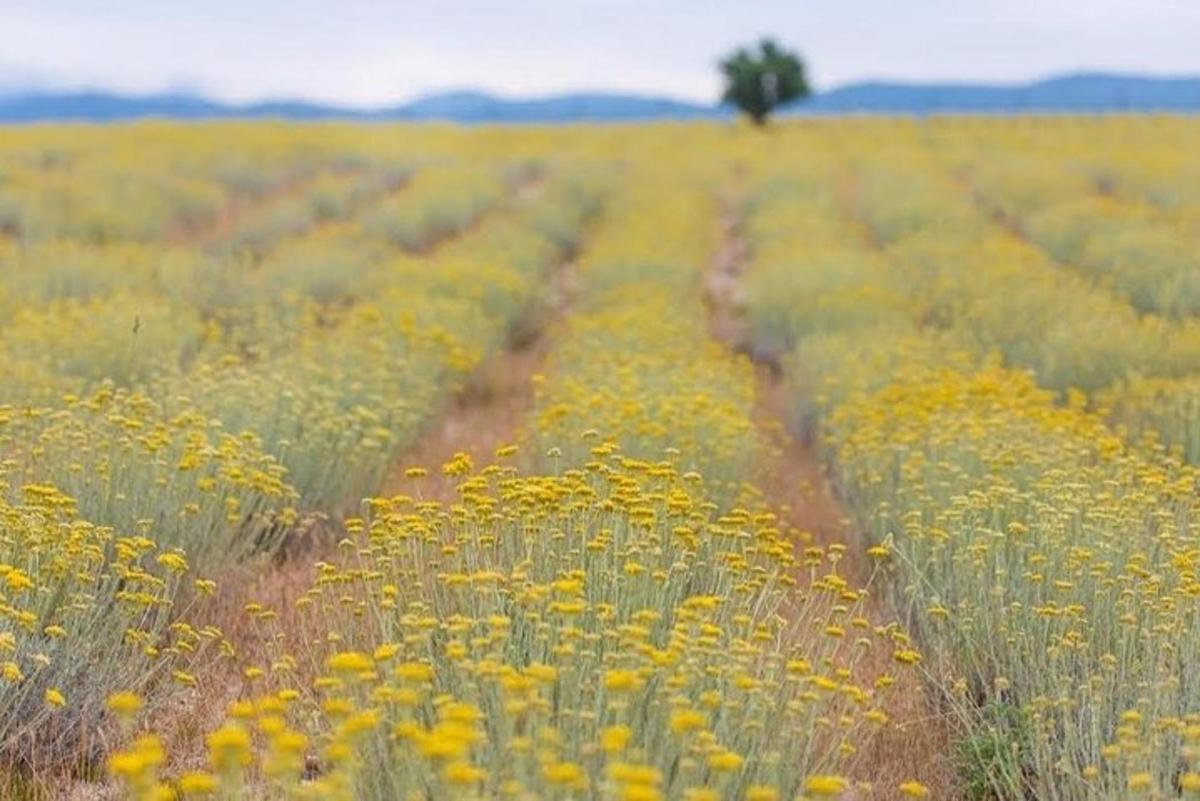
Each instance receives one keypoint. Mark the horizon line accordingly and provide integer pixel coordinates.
(199, 93)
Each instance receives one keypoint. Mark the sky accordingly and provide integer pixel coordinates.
(359, 52)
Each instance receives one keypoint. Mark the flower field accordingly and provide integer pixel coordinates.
(231, 567)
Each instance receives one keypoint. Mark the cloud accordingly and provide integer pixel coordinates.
(360, 51)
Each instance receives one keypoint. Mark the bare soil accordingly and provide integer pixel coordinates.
(488, 414)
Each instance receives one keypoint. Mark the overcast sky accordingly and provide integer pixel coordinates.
(364, 52)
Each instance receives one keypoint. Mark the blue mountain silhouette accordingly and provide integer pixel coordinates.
(1080, 93)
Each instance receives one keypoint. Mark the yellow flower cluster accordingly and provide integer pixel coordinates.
(606, 631)
(1049, 562)
(337, 381)
(1163, 410)
(84, 610)
(1118, 219)
(635, 361)
(438, 204)
(124, 462)
(629, 623)
(179, 391)
(990, 323)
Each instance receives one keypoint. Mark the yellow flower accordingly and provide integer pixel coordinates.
(1141, 781)
(463, 773)
(413, 671)
(724, 761)
(385, 652)
(228, 747)
(629, 773)
(758, 792)
(701, 794)
(18, 580)
(460, 713)
(615, 738)
(197, 783)
(443, 744)
(173, 561)
(685, 720)
(914, 789)
(825, 785)
(55, 698)
(124, 704)
(139, 761)
(241, 710)
(564, 773)
(640, 792)
(357, 724)
(126, 764)
(621, 680)
(352, 662)
(184, 678)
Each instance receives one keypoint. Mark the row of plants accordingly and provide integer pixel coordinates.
(938, 260)
(152, 182)
(1041, 558)
(625, 621)
(127, 491)
(1145, 253)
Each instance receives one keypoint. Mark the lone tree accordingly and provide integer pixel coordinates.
(758, 82)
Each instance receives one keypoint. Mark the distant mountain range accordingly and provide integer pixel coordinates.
(462, 107)
(1083, 93)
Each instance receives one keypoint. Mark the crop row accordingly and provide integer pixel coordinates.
(626, 621)
(1044, 562)
(149, 442)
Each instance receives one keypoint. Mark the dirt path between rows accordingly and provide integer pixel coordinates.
(491, 411)
(914, 745)
(488, 412)
(213, 229)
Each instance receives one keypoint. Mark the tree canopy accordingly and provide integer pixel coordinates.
(758, 81)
